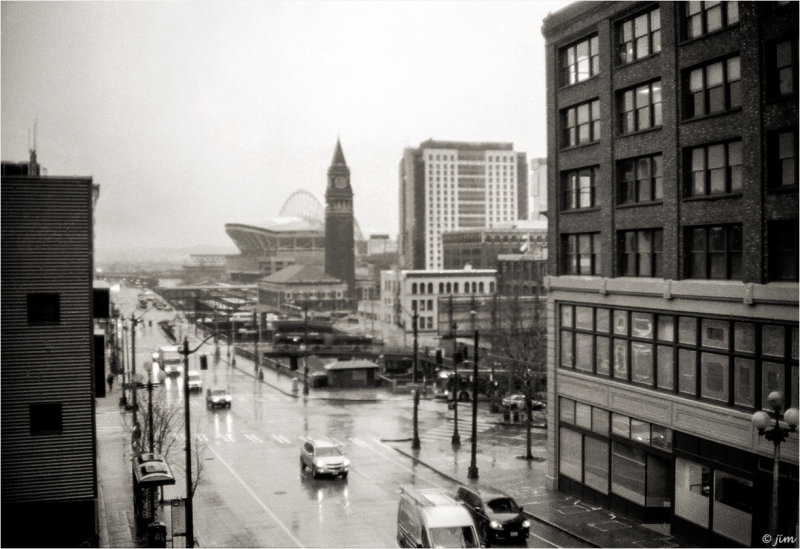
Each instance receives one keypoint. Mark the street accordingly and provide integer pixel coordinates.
(252, 492)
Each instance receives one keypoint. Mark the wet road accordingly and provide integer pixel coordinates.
(252, 492)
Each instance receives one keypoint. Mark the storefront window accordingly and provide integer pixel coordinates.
(570, 453)
(772, 379)
(772, 340)
(744, 381)
(733, 507)
(595, 469)
(714, 376)
(583, 318)
(744, 337)
(692, 489)
(687, 330)
(666, 328)
(715, 334)
(621, 425)
(665, 367)
(620, 359)
(659, 491)
(602, 320)
(642, 325)
(600, 421)
(583, 415)
(566, 349)
(642, 363)
(567, 411)
(603, 365)
(628, 472)
(687, 372)
(584, 353)
(640, 431)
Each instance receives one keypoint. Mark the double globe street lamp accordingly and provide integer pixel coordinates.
(775, 427)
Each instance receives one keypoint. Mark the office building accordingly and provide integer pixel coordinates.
(450, 185)
(673, 250)
(479, 248)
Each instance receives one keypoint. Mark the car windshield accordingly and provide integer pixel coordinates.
(218, 392)
(194, 375)
(328, 451)
(452, 536)
(503, 505)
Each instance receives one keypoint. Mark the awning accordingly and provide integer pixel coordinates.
(152, 470)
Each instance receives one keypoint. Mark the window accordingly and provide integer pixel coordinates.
(640, 108)
(639, 36)
(714, 252)
(571, 452)
(45, 418)
(581, 124)
(628, 472)
(640, 179)
(782, 76)
(782, 154)
(715, 169)
(692, 489)
(580, 61)
(782, 247)
(706, 17)
(581, 253)
(578, 188)
(640, 252)
(44, 308)
(596, 464)
(713, 88)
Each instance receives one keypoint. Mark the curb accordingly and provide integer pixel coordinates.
(457, 481)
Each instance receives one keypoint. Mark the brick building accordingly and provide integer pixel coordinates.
(480, 247)
(673, 305)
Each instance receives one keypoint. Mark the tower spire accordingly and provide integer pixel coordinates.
(338, 155)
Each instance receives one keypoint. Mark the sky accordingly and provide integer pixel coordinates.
(191, 115)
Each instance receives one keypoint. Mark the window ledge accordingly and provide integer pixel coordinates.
(581, 146)
(640, 204)
(686, 41)
(789, 189)
(580, 210)
(638, 132)
(735, 110)
(568, 86)
(622, 65)
(712, 197)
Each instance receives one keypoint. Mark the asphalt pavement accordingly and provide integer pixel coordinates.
(523, 479)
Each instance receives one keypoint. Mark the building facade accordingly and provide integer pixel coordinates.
(449, 185)
(479, 248)
(521, 274)
(339, 246)
(673, 300)
(49, 471)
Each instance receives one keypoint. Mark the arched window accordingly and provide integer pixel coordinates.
(422, 288)
(480, 287)
(430, 287)
(474, 287)
(414, 288)
(455, 287)
(449, 288)
(441, 287)
(491, 287)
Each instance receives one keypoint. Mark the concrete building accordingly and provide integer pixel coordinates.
(49, 370)
(673, 300)
(480, 247)
(450, 185)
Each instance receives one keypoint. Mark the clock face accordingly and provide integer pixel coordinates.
(340, 182)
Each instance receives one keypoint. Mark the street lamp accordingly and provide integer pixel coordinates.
(776, 429)
(306, 302)
(472, 472)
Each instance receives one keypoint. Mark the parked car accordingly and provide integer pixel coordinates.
(217, 397)
(496, 515)
(195, 381)
(323, 457)
(516, 401)
(427, 517)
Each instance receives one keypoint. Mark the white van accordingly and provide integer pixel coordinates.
(428, 517)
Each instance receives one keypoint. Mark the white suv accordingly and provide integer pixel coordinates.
(323, 457)
(195, 382)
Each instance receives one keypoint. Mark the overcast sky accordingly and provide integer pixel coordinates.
(192, 115)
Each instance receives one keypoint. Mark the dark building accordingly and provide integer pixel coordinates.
(673, 250)
(520, 274)
(452, 185)
(339, 248)
(480, 247)
(48, 386)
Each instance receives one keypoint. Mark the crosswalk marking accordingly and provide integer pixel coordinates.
(280, 439)
(252, 438)
(226, 438)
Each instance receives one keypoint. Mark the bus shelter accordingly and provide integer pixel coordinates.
(150, 471)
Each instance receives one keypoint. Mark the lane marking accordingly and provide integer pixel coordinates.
(255, 497)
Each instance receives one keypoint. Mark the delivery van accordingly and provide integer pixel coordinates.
(429, 517)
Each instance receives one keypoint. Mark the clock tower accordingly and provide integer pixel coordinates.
(339, 239)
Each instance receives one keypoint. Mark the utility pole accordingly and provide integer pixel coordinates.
(188, 435)
(233, 340)
(456, 439)
(415, 321)
(472, 472)
(305, 349)
(133, 370)
(415, 441)
(255, 341)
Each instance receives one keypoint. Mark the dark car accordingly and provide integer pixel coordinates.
(496, 515)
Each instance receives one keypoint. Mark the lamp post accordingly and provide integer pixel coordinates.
(233, 340)
(133, 369)
(188, 448)
(456, 439)
(776, 429)
(256, 318)
(414, 323)
(472, 472)
(306, 304)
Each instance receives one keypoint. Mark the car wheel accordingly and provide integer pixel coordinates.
(344, 475)
(313, 471)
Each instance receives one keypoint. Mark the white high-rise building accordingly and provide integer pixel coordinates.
(448, 185)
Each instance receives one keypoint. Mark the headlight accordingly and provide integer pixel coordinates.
(346, 462)
(319, 463)
(526, 524)
(495, 525)
(227, 399)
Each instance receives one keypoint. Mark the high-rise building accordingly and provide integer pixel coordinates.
(339, 246)
(449, 185)
(673, 249)
(52, 362)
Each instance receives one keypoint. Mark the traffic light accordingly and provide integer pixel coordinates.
(203, 362)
